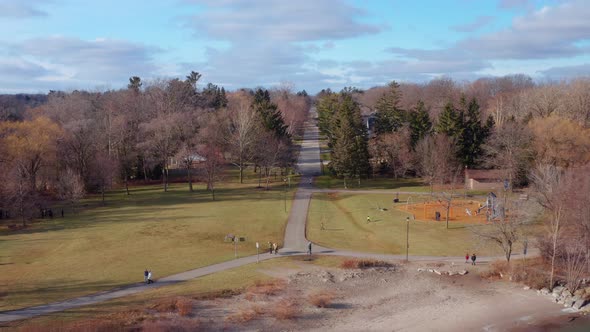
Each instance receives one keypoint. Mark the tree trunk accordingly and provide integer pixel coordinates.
(190, 179)
(145, 178)
(102, 194)
(267, 171)
(448, 212)
(509, 252)
(241, 166)
(126, 183)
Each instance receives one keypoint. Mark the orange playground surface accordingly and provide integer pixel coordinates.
(464, 211)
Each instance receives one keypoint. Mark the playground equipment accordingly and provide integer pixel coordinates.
(492, 207)
(460, 210)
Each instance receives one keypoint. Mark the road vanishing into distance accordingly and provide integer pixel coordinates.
(295, 241)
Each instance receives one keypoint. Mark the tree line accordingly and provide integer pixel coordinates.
(81, 141)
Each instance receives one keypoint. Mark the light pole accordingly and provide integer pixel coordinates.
(407, 237)
(285, 182)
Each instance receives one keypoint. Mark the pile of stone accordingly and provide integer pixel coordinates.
(450, 273)
(562, 295)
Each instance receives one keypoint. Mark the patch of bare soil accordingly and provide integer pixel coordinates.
(404, 297)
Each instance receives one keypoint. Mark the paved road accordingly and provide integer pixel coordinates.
(295, 242)
(309, 166)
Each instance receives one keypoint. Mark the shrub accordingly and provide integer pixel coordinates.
(363, 264)
(271, 287)
(243, 315)
(285, 309)
(321, 299)
(185, 306)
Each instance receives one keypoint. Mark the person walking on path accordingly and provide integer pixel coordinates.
(368, 219)
(274, 248)
(149, 277)
(145, 275)
(473, 258)
(466, 258)
(309, 248)
(270, 248)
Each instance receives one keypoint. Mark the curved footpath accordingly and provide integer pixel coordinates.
(295, 242)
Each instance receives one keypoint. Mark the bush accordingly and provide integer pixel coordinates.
(271, 287)
(363, 264)
(285, 309)
(321, 299)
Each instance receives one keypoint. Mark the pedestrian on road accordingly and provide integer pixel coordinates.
(466, 258)
(368, 219)
(309, 248)
(149, 278)
(274, 248)
(145, 275)
(473, 258)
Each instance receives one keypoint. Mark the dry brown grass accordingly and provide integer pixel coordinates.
(177, 325)
(285, 309)
(182, 305)
(532, 273)
(363, 264)
(321, 299)
(268, 288)
(243, 315)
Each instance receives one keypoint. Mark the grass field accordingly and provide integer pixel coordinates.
(104, 247)
(223, 283)
(387, 183)
(344, 218)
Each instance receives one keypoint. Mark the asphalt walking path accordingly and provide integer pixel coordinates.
(295, 242)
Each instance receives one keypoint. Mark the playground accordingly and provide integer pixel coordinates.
(464, 211)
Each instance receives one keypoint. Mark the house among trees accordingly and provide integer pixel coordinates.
(193, 159)
(484, 179)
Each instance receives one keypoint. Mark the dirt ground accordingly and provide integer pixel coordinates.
(464, 211)
(396, 298)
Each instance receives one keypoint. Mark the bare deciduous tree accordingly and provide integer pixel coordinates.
(70, 187)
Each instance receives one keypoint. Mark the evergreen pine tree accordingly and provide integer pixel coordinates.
(420, 124)
(449, 122)
(389, 116)
(269, 113)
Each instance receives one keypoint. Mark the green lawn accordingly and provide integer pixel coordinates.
(331, 182)
(344, 218)
(105, 247)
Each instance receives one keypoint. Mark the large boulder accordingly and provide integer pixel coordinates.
(544, 291)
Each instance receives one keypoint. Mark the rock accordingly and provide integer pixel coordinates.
(544, 291)
(558, 290)
(430, 270)
(420, 270)
(453, 273)
(437, 272)
(464, 272)
(580, 303)
(569, 302)
(526, 288)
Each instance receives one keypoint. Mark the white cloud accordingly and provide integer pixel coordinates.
(18, 9)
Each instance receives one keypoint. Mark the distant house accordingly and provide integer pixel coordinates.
(476, 179)
(176, 163)
(369, 121)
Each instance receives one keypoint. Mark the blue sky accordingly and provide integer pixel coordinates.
(309, 44)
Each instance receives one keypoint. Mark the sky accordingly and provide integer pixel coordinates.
(304, 44)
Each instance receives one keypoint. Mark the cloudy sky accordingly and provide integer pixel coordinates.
(311, 44)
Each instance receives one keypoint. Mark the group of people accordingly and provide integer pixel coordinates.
(273, 248)
(473, 258)
(147, 276)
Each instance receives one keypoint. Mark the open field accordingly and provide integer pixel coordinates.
(386, 183)
(345, 226)
(103, 247)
